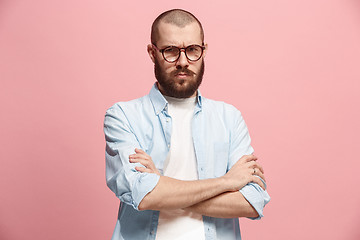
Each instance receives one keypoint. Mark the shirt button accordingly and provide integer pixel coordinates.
(167, 120)
(152, 232)
(168, 145)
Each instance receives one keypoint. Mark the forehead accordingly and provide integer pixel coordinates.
(170, 34)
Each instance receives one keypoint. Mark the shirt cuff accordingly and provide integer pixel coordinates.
(256, 196)
(144, 184)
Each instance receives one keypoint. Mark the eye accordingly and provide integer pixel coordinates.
(170, 50)
(193, 49)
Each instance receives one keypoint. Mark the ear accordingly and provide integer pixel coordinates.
(151, 52)
(205, 50)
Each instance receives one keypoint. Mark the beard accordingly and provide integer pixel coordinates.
(183, 88)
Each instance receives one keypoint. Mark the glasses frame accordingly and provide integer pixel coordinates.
(180, 50)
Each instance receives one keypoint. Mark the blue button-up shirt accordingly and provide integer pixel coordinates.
(220, 139)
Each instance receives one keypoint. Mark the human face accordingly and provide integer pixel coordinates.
(182, 78)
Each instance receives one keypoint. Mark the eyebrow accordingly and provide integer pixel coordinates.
(165, 46)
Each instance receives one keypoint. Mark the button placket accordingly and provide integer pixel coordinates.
(166, 122)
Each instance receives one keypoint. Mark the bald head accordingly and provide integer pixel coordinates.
(177, 17)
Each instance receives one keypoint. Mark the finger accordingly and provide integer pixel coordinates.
(259, 173)
(141, 161)
(260, 167)
(248, 158)
(257, 165)
(142, 169)
(253, 164)
(141, 152)
(139, 156)
(258, 181)
(138, 150)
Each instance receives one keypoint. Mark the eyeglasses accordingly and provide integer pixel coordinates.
(172, 53)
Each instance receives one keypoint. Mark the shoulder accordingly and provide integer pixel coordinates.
(124, 107)
(220, 107)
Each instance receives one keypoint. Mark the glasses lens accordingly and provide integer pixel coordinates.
(194, 52)
(171, 54)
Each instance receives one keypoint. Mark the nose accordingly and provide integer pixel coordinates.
(182, 61)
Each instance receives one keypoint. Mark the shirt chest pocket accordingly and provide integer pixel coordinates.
(221, 158)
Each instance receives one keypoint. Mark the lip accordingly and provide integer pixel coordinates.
(182, 75)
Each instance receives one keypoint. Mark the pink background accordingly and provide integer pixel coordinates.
(291, 67)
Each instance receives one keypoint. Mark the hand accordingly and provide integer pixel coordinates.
(245, 170)
(141, 157)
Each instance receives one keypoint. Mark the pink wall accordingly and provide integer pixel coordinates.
(291, 67)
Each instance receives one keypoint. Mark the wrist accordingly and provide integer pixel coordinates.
(226, 184)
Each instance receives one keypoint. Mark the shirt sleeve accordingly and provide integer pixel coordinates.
(129, 185)
(240, 146)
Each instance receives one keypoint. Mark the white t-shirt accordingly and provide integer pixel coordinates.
(180, 164)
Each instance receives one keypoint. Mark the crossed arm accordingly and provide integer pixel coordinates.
(217, 197)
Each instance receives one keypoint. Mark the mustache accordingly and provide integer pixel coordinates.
(183, 70)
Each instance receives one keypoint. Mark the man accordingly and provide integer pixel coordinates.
(181, 164)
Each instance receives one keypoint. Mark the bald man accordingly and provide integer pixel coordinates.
(181, 164)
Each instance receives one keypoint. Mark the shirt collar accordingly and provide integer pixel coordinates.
(159, 102)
